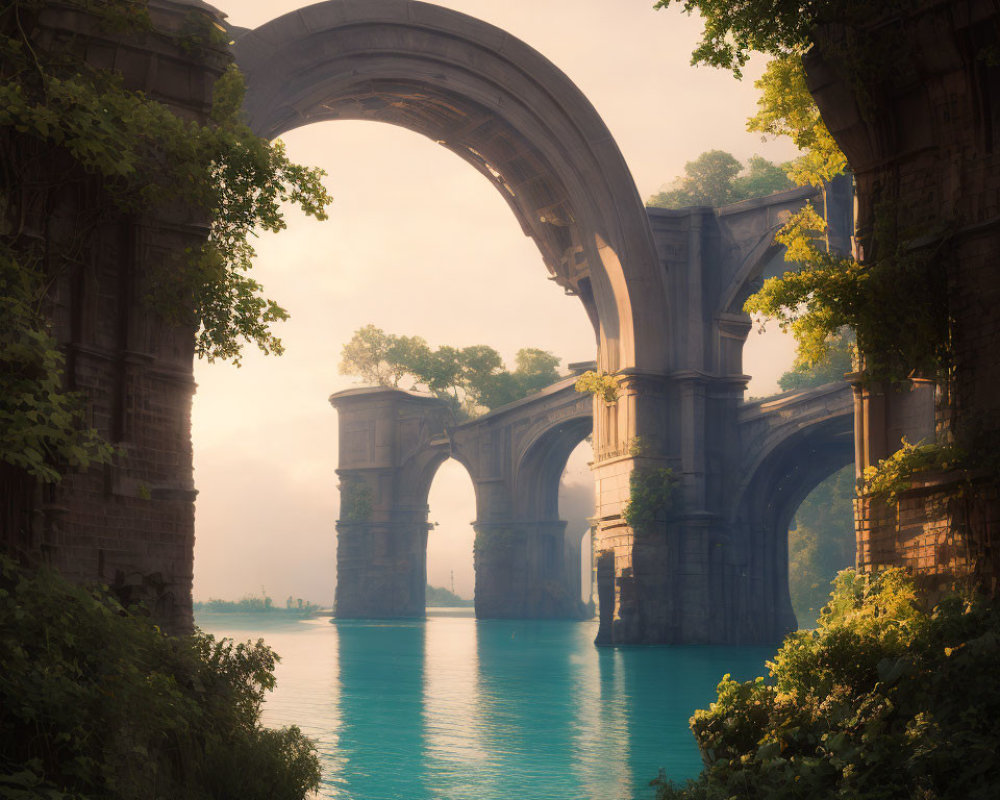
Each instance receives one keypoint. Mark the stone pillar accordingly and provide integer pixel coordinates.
(129, 524)
(634, 567)
(391, 443)
(522, 572)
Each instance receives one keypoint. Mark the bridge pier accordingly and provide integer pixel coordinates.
(391, 444)
(522, 572)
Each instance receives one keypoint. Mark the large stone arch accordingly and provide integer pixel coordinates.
(499, 105)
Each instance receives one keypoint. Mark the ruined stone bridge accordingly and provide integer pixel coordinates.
(527, 564)
(663, 288)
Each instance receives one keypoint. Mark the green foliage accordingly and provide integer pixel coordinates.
(733, 30)
(651, 496)
(470, 379)
(69, 130)
(714, 179)
(884, 700)
(776, 27)
(894, 475)
(600, 384)
(95, 702)
(356, 500)
(838, 361)
(785, 108)
(43, 429)
(821, 542)
(895, 303)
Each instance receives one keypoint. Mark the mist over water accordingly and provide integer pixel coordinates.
(454, 709)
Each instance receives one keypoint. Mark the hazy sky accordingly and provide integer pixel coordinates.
(419, 243)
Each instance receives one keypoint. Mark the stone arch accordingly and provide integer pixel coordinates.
(419, 470)
(500, 106)
(789, 464)
(541, 465)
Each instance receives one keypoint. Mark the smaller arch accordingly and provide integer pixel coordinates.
(536, 488)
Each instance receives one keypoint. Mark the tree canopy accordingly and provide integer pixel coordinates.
(716, 178)
(775, 27)
(471, 378)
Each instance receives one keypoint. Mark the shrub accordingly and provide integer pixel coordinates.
(95, 701)
(884, 700)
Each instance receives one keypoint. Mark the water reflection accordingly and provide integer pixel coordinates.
(452, 709)
(380, 696)
(526, 672)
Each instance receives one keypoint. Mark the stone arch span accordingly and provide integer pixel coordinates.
(502, 107)
(791, 444)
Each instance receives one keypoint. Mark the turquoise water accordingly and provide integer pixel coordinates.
(454, 709)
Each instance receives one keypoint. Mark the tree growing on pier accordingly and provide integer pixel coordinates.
(470, 379)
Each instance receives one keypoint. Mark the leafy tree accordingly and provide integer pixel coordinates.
(785, 108)
(714, 179)
(470, 379)
(884, 700)
(71, 130)
(761, 178)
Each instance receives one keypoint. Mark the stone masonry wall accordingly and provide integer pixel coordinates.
(130, 524)
(924, 142)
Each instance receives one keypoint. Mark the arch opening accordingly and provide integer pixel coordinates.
(821, 542)
(782, 480)
(576, 506)
(451, 504)
(500, 106)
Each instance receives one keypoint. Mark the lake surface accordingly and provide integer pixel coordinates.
(454, 709)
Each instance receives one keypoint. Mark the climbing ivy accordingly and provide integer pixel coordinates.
(651, 494)
(70, 132)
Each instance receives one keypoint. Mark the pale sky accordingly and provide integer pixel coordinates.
(419, 243)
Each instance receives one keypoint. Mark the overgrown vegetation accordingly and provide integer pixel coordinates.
(471, 379)
(651, 497)
(895, 299)
(96, 702)
(893, 475)
(80, 152)
(600, 384)
(884, 700)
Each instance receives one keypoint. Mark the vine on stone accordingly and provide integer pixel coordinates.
(651, 495)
